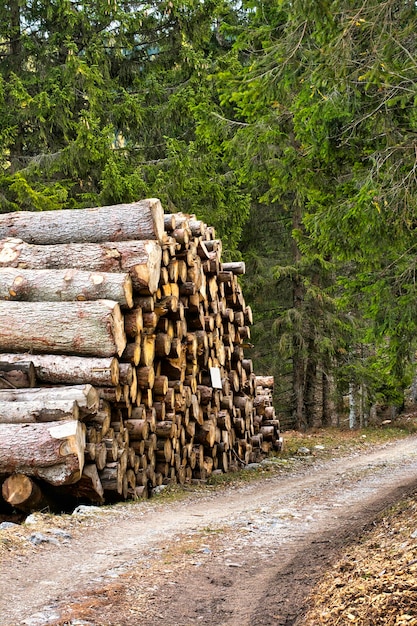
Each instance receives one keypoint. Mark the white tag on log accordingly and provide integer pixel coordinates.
(216, 381)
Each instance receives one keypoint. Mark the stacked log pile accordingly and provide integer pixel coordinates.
(122, 365)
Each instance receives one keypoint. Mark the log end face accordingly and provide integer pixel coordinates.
(128, 292)
(149, 274)
(119, 334)
(157, 213)
(16, 489)
(73, 435)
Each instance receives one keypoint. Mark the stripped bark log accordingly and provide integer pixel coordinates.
(140, 259)
(64, 285)
(121, 222)
(85, 328)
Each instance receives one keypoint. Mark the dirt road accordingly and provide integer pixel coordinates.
(244, 556)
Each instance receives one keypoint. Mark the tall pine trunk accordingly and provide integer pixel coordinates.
(328, 409)
(310, 387)
(298, 351)
(15, 65)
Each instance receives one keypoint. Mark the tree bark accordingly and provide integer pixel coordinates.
(53, 452)
(56, 285)
(121, 222)
(84, 328)
(140, 259)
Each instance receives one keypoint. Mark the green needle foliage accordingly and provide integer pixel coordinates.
(289, 125)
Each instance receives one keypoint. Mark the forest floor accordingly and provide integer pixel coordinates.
(303, 540)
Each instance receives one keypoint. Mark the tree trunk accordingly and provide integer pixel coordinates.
(64, 285)
(352, 406)
(53, 452)
(310, 386)
(328, 410)
(121, 222)
(298, 357)
(84, 328)
(141, 259)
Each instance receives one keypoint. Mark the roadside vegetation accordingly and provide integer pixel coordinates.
(290, 127)
(374, 581)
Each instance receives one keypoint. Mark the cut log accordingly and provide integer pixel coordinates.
(53, 452)
(38, 411)
(140, 259)
(238, 267)
(145, 377)
(165, 429)
(160, 387)
(64, 285)
(111, 478)
(15, 376)
(71, 370)
(265, 381)
(23, 493)
(110, 394)
(121, 222)
(84, 328)
(86, 396)
(133, 322)
(126, 373)
(132, 352)
(89, 486)
(137, 428)
(147, 353)
(162, 345)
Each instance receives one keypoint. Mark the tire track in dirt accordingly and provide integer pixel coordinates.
(258, 550)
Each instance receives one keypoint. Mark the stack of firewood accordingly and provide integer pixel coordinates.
(122, 364)
(265, 419)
